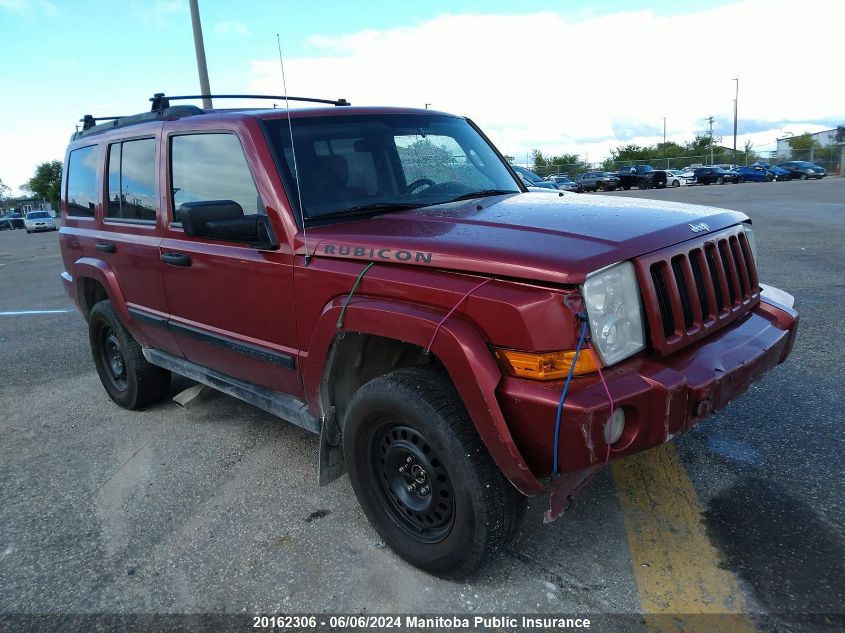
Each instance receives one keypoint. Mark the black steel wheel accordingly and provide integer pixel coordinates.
(415, 485)
(423, 476)
(112, 358)
(127, 377)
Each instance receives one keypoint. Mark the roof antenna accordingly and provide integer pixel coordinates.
(293, 153)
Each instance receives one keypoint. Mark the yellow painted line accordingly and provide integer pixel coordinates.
(677, 569)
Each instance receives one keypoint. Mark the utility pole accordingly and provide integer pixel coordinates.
(710, 121)
(736, 102)
(665, 149)
(205, 90)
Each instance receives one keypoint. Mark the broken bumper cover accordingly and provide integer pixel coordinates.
(660, 396)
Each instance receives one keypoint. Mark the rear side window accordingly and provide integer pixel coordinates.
(132, 181)
(206, 167)
(82, 182)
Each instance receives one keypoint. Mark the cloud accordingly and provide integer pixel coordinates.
(583, 86)
(29, 8)
(232, 28)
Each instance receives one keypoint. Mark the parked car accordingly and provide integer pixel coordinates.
(532, 179)
(676, 177)
(777, 172)
(15, 219)
(802, 169)
(36, 221)
(5, 224)
(754, 173)
(423, 320)
(599, 180)
(717, 175)
(567, 184)
(640, 176)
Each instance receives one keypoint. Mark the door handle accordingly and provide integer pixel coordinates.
(105, 247)
(176, 259)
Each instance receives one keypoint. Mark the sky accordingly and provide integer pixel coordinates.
(565, 76)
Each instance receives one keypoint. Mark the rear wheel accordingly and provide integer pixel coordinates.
(600, 186)
(676, 183)
(423, 476)
(643, 184)
(128, 378)
(720, 180)
(803, 176)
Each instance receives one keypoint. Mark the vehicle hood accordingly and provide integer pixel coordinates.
(557, 239)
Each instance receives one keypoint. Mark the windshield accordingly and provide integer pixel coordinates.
(378, 163)
(37, 215)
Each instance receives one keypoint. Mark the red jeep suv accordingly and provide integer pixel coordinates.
(381, 277)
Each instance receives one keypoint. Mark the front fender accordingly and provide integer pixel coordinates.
(460, 348)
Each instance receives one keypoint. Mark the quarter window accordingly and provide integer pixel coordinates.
(207, 167)
(82, 182)
(132, 181)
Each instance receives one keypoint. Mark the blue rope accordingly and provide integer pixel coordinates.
(555, 469)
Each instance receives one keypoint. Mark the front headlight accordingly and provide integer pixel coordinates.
(612, 300)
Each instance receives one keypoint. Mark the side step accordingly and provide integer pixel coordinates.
(279, 404)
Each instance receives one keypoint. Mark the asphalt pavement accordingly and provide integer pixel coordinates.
(216, 508)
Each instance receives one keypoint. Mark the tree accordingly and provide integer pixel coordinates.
(569, 163)
(46, 183)
(804, 141)
(5, 190)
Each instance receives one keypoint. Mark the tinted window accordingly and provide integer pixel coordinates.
(37, 215)
(132, 180)
(207, 167)
(82, 182)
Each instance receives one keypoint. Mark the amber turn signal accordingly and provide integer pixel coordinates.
(546, 365)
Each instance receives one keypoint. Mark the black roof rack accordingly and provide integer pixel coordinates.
(90, 127)
(161, 101)
(161, 109)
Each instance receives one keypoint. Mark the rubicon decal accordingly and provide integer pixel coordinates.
(388, 254)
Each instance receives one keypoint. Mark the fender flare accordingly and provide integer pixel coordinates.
(458, 345)
(100, 271)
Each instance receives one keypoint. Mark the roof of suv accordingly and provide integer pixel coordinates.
(91, 125)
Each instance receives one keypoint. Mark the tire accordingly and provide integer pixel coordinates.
(450, 509)
(626, 187)
(643, 184)
(599, 186)
(803, 176)
(128, 378)
(720, 180)
(676, 183)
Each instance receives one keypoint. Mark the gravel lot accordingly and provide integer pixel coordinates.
(216, 508)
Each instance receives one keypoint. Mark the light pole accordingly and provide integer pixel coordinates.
(200, 48)
(710, 121)
(665, 149)
(736, 102)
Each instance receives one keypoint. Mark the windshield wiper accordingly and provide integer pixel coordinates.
(364, 209)
(483, 194)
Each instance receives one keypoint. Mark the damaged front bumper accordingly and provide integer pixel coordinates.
(660, 396)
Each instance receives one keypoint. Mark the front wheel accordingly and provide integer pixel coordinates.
(803, 176)
(423, 476)
(128, 378)
(720, 180)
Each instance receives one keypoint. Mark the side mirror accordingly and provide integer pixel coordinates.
(225, 220)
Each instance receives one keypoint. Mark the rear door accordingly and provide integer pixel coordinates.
(231, 305)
